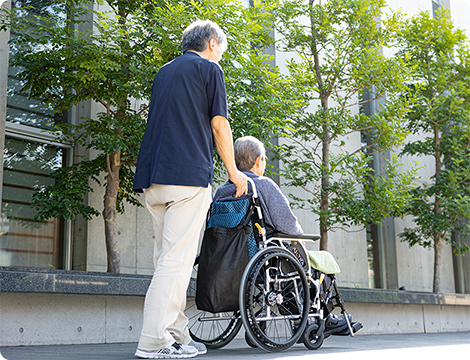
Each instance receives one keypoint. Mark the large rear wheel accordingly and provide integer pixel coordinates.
(274, 299)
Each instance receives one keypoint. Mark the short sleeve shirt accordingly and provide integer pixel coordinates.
(177, 148)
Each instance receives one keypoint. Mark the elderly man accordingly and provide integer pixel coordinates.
(250, 158)
(187, 115)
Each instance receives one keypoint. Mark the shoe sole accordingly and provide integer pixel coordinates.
(145, 355)
(199, 352)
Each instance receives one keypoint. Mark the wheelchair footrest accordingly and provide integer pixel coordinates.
(356, 326)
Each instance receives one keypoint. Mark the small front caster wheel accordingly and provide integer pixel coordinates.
(311, 339)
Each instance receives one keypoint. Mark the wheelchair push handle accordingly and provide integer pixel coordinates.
(253, 187)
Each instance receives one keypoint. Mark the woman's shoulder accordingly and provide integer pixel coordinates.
(266, 181)
(223, 191)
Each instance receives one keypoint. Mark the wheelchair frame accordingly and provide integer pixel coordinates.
(282, 300)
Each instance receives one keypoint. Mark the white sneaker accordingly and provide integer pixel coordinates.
(201, 348)
(175, 351)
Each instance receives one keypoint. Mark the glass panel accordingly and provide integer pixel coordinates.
(20, 108)
(436, 4)
(24, 241)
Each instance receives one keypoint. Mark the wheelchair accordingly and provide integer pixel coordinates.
(286, 292)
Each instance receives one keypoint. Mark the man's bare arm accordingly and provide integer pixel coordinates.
(224, 143)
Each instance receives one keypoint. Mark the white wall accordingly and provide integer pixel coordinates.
(460, 12)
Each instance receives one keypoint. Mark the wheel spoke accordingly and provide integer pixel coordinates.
(274, 297)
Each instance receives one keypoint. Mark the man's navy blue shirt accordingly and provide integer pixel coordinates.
(177, 147)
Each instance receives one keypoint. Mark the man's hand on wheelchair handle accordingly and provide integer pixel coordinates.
(240, 181)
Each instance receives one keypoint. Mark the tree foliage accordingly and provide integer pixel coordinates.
(72, 51)
(338, 57)
(440, 56)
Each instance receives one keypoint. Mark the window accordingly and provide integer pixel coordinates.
(24, 241)
(30, 156)
(23, 110)
(436, 4)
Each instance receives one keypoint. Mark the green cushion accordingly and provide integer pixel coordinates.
(323, 261)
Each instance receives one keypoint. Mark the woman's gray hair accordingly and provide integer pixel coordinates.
(247, 149)
(198, 34)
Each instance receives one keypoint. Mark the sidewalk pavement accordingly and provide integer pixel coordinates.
(364, 347)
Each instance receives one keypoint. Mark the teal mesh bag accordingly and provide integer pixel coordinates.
(229, 214)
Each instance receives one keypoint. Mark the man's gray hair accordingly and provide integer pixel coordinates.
(197, 35)
(247, 149)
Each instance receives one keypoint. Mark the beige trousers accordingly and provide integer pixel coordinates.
(178, 214)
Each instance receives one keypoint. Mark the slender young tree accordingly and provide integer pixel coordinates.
(338, 56)
(63, 58)
(440, 55)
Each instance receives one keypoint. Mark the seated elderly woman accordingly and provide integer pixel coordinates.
(250, 158)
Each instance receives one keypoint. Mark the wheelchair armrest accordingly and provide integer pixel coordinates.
(304, 237)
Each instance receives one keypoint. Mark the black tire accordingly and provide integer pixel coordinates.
(250, 342)
(311, 340)
(274, 299)
(213, 330)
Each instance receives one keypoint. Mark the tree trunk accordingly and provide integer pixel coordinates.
(110, 212)
(436, 285)
(114, 164)
(325, 177)
(325, 183)
(438, 238)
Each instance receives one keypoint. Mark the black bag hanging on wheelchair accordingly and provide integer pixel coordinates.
(223, 258)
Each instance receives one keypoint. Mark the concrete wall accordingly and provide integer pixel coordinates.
(43, 319)
(399, 319)
(460, 12)
(134, 234)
